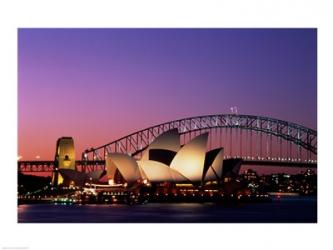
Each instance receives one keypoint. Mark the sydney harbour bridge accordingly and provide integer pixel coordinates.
(257, 140)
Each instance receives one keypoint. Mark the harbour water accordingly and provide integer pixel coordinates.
(280, 210)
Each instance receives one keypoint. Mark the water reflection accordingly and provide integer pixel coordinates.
(282, 210)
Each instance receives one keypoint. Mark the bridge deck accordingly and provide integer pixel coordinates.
(48, 166)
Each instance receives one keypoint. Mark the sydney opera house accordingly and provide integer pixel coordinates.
(164, 161)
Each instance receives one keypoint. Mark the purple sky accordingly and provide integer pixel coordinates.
(101, 84)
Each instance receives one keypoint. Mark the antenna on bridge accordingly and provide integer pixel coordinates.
(234, 110)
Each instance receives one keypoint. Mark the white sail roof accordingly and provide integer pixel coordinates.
(169, 140)
(126, 165)
(189, 161)
(159, 172)
(210, 175)
(217, 164)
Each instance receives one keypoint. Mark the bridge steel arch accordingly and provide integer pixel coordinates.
(136, 142)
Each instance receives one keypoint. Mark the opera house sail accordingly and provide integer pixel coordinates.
(165, 160)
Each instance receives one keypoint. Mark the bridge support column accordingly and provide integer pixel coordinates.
(64, 158)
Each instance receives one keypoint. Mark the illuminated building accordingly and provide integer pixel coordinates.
(165, 160)
(76, 178)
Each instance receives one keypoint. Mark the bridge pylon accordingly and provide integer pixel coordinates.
(64, 158)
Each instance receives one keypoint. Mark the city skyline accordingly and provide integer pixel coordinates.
(98, 85)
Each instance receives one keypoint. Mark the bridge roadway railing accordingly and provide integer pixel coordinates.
(49, 166)
(88, 166)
